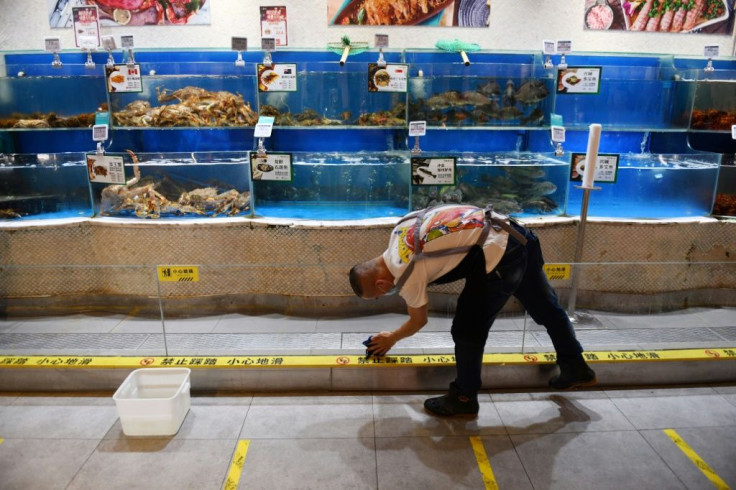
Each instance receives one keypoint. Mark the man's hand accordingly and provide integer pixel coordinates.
(381, 343)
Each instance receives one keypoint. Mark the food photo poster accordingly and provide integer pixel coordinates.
(433, 13)
(133, 12)
(672, 16)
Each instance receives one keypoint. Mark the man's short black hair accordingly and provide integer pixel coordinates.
(355, 280)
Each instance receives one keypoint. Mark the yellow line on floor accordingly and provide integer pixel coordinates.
(489, 480)
(236, 467)
(352, 360)
(697, 460)
(1, 440)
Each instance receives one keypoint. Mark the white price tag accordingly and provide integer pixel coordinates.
(99, 132)
(240, 44)
(712, 51)
(558, 134)
(52, 44)
(127, 42)
(548, 47)
(108, 42)
(417, 128)
(733, 131)
(273, 166)
(433, 171)
(268, 44)
(564, 47)
(105, 168)
(87, 42)
(264, 127)
(381, 41)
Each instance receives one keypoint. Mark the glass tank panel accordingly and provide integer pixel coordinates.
(714, 107)
(329, 94)
(338, 186)
(178, 185)
(44, 186)
(482, 94)
(654, 186)
(516, 183)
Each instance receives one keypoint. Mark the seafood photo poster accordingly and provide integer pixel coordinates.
(673, 16)
(438, 13)
(133, 12)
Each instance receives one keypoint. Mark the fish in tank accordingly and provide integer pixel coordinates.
(338, 186)
(516, 183)
(654, 186)
(190, 185)
(447, 100)
(44, 186)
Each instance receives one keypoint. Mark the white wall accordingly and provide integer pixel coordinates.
(515, 25)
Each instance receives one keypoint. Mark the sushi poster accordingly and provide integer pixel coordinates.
(432, 13)
(433, 171)
(674, 16)
(114, 13)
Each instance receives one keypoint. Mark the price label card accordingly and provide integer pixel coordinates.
(99, 132)
(417, 128)
(579, 80)
(381, 41)
(178, 273)
(712, 51)
(272, 166)
(264, 127)
(733, 131)
(606, 170)
(564, 47)
(549, 47)
(433, 171)
(273, 25)
(558, 134)
(124, 78)
(108, 42)
(240, 44)
(86, 26)
(279, 77)
(105, 168)
(390, 78)
(268, 44)
(127, 41)
(52, 44)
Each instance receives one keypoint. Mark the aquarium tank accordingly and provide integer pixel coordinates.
(44, 186)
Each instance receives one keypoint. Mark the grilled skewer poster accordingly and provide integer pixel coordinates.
(433, 171)
(432, 13)
(673, 16)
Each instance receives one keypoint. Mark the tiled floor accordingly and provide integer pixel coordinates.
(237, 334)
(585, 439)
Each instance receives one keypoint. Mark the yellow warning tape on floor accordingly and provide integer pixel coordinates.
(697, 460)
(236, 467)
(337, 361)
(489, 480)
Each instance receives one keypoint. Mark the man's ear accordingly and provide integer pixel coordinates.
(384, 285)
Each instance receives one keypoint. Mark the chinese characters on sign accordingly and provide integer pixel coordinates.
(391, 78)
(178, 273)
(272, 166)
(579, 80)
(277, 78)
(557, 271)
(105, 168)
(273, 24)
(433, 171)
(124, 78)
(606, 170)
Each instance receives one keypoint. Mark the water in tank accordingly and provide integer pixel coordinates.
(44, 186)
(338, 186)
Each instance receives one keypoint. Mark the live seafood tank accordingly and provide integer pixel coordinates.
(494, 90)
(44, 186)
(330, 94)
(183, 185)
(338, 186)
(516, 183)
(35, 118)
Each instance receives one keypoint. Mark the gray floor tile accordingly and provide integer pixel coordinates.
(606, 460)
(722, 317)
(404, 415)
(309, 417)
(415, 462)
(505, 463)
(559, 413)
(725, 389)
(43, 464)
(8, 325)
(56, 422)
(65, 400)
(329, 464)
(7, 399)
(156, 463)
(715, 445)
(677, 411)
(692, 317)
(201, 325)
(660, 392)
(271, 323)
(730, 399)
(69, 324)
